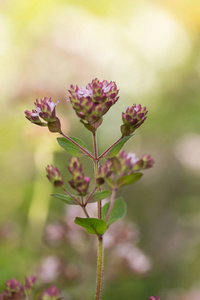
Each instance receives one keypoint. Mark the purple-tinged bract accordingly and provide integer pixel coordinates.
(154, 298)
(53, 174)
(132, 119)
(92, 102)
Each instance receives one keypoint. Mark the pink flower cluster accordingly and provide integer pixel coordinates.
(44, 111)
(128, 163)
(92, 102)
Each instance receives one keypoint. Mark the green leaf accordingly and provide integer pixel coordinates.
(100, 196)
(128, 179)
(114, 150)
(92, 225)
(70, 147)
(118, 211)
(65, 198)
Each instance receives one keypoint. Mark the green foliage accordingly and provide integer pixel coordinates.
(100, 196)
(92, 225)
(114, 150)
(118, 211)
(65, 198)
(70, 147)
(128, 179)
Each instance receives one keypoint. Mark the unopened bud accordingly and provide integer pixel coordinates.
(30, 283)
(13, 285)
(104, 172)
(52, 293)
(132, 119)
(53, 174)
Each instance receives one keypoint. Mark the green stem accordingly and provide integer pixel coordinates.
(99, 281)
(85, 211)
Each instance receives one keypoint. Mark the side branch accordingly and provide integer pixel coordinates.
(76, 144)
(105, 152)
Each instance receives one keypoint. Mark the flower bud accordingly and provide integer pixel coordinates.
(123, 162)
(92, 102)
(29, 283)
(34, 118)
(104, 172)
(126, 163)
(52, 293)
(13, 285)
(78, 182)
(45, 109)
(14, 290)
(132, 119)
(53, 174)
(74, 165)
(147, 162)
(154, 298)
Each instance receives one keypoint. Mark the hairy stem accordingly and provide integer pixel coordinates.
(105, 152)
(76, 144)
(99, 269)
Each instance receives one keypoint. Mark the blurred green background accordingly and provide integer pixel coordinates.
(151, 49)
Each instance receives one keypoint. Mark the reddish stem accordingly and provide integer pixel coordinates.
(103, 154)
(66, 191)
(76, 144)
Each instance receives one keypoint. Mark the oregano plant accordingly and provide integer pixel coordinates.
(114, 166)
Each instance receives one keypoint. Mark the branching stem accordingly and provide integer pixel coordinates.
(105, 152)
(88, 199)
(76, 200)
(76, 144)
(85, 211)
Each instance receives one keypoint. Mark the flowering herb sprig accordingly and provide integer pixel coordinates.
(91, 103)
